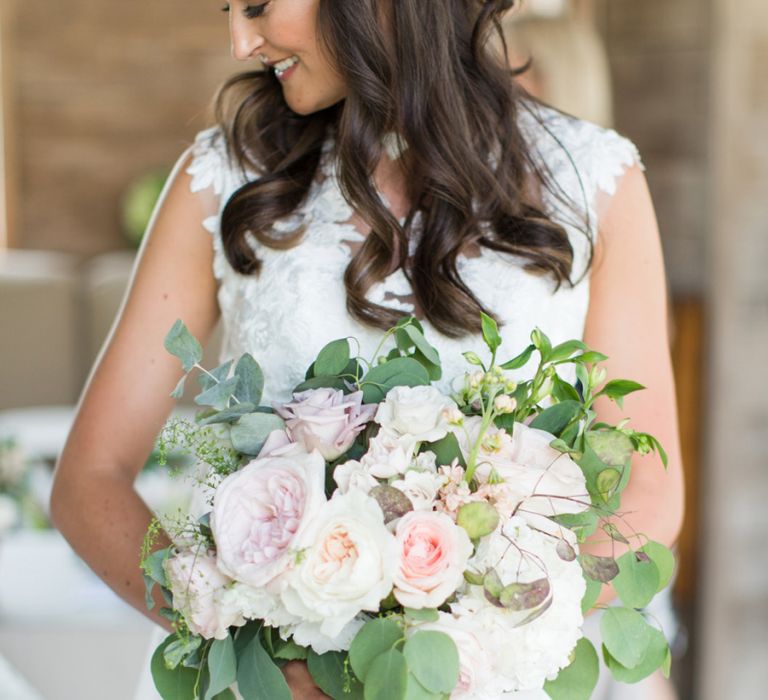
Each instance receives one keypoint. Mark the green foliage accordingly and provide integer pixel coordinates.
(219, 395)
(214, 376)
(222, 666)
(182, 344)
(387, 677)
(555, 418)
(251, 431)
(373, 639)
(655, 655)
(490, 332)
(181, 649)
(520, 360)
(591, 595)
(664, 560)
(617, 389)
(421, 614)
(331, 674)
(637, 581)
(251, 380)
(179, 683)
(258, 677)
(577, 680)
(402, 371)
(433, 659)
(478, 518)
(626, 635)
(446, 450)
(333, 358)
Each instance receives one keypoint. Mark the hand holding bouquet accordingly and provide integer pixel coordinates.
(408, 544)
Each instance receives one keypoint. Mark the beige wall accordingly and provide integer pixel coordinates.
(101, 92)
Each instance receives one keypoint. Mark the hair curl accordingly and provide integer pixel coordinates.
(432, 77)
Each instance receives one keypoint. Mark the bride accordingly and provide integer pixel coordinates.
(385, 163)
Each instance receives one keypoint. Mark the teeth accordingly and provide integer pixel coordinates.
(283, 66)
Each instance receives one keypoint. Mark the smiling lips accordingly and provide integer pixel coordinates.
(281, 67)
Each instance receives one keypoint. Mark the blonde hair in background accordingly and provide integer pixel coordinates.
(569, 67)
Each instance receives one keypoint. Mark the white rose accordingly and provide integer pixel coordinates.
(308, 634)
(197, 586)
(347, 566)
(420, 487)
(254, 604)
(418, 413)
(523, 657)
(387, 455)
(353, 475)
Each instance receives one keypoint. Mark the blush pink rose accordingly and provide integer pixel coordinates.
(260, 510)
(433, 555)
(197, 585)
(326, 420)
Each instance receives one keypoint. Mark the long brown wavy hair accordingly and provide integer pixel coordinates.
(434, 78)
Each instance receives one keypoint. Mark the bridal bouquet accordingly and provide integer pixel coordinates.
(408, 544)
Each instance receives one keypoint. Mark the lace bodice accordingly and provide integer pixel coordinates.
(297, 303)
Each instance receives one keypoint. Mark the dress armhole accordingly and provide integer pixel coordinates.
(621, 156)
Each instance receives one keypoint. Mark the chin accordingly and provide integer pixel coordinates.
(305, 107)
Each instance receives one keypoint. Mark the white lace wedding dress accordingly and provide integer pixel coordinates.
(297, 303)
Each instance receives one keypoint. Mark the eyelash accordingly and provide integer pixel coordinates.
(250, 11)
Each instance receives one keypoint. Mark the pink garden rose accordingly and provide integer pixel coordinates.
(433, 555)
(197, 585)
(325, 419)
(260, 510)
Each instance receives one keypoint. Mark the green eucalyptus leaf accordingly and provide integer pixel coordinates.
(520, 360)
(321, 382)
(594, 588)
(153, 565)
(258, 677)
(251, 431)
(393, 502)
(446, 450)
(251, 384)
(626, 635)
(182, 344)
(387, 677)
(178, 392)
(478, 518)
(663, 558)
(402, 371)
(525, 596)
(218, 395)
(172, 684)
(333, 358)
(654, 657)
(416, 691)
(214, 376)
(222, 666)
(332, 677)
(607, 483)
(433, 659)
(422, 345)
(374, 638)
(603, 569)
(288, 650)
(578, 680)
(554, 419)
(180, 649)
(614, 533)
(490, 331)
(421, 614)
(637, 581)
(228, 415)
(435, 371)
(613, 447)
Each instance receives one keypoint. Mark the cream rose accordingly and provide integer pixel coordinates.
(419, 413)
(353, 475)
(261, 510)
(421, 487)
(197, 585)
(433, 555)
(347, 566)
(326, 419)
(387, 455)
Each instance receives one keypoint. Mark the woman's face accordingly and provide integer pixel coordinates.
(281, 34)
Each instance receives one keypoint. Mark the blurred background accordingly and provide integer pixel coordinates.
(98, 99)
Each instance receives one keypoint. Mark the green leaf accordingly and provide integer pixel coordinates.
(182, 344)
(228, 415)
(180, 649)
(416, 691)
(654, 657)
(446, 450)
(663, 558)
(178, 392)
(421, 614)
(607, 481)
(219, 394)
(333, 358)
(172, 684)
(250, 433)
(603, 569)
(332, 677)
(222, 666)
(387, 677)
(478, 518)
(626, 635)
(556, 417)
(225, 695)
(258, 677)
(374, 638)
(594, 588)
(614, 533)
(402, 371)
(422, 345)
(613, 447)
(251, 377)
(434, 660)
(288, 650)
(637, 581)
(618, 389)
(565, 350)
(576, 681)
(214, 376)
(590, 357)
(563, 391)
(153, 565)
(520, 360)
(490, 332)
(525, 596)
(323, 382)
(542, 343)
(435, 371)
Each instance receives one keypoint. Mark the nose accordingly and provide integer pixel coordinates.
(246, 40)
